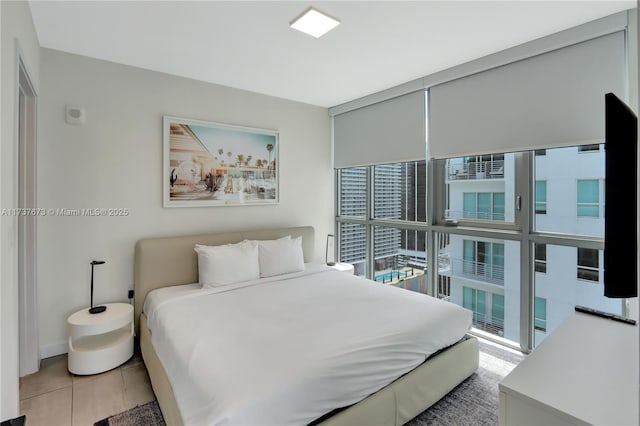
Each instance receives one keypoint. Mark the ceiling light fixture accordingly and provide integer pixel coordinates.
(314, 23)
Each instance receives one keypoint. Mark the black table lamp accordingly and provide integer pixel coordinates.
(95, 309)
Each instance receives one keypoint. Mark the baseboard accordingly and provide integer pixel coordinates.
(53, 350)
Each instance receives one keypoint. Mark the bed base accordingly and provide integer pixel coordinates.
(393, 405)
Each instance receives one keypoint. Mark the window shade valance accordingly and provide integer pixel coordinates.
(553, 99)
(386, 132)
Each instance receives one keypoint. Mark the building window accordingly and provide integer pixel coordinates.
(540, 314)
(588, 198)
(588, 264)
(541, 258)
(484, 260)
(541, 197)
(589, 148)
(497, 310)
(476, 301)
(483, 205)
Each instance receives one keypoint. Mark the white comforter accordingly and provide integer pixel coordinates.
(288, 350)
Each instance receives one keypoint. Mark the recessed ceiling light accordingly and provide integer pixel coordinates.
(314, 23)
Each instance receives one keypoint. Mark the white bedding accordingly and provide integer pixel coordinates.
(288, 349)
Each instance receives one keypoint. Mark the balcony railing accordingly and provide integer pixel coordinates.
(476, 170)
(476, 215)
(478, 271)
(488, 323)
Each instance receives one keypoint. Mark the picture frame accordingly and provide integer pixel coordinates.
(209, 164)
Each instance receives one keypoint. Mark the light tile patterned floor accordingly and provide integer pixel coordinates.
(55, 397)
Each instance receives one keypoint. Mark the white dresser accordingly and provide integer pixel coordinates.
(585, 372)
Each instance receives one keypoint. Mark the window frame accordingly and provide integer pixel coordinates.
(522, 230)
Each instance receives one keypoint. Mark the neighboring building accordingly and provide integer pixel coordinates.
(485, 274)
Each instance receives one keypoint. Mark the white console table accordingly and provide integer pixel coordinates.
(585, 372)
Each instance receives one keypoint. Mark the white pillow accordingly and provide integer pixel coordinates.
(280, 256)
(227, 264)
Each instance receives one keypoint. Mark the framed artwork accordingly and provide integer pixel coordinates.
(213, 164)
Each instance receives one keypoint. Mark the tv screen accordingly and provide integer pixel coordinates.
(621, 188)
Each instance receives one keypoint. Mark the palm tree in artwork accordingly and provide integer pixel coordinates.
(249, 157)
(240, 159)
(221, 151)
(269, 149)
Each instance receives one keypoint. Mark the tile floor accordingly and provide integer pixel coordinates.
(55, 397)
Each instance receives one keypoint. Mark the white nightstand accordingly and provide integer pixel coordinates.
(100, 342)
(344, 267)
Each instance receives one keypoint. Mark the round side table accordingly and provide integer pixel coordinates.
(100, 342)
(347, 268)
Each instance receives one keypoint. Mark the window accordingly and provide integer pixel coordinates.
(588, 264)
(497, 310)
(541, 258)
(400, 258)
(485, 317)
(400, 191)
(588, 198)
(541, 197)
(484, 260)
(475, 301)
(540, 314)
(479, 188)
(483, 205)
(391, 254)
(589, 148)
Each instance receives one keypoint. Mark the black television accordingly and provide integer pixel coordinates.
(621, 189)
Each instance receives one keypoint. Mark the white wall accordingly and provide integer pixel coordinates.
(17, 32)
(115, 160)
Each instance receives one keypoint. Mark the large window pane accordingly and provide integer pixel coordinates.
(480, 187)
(571, 194)
(400, 257)
(353, 246)
(483, 276)
(562, 288)
(352, 184)
(400, 191)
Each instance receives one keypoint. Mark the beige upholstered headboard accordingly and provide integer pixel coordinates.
(162, 262)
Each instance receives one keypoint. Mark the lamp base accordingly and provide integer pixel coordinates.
(331, 263)
(97, 309)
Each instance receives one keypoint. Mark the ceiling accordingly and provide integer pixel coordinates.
(249, 45)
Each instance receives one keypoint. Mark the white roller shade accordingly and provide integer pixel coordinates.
(554, 99)
(387, 132)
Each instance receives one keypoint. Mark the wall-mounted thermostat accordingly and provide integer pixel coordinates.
(74, 114)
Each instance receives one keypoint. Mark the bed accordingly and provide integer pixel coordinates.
(171, 264)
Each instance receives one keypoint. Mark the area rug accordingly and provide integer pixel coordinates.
(148, 414)
(472, 402)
